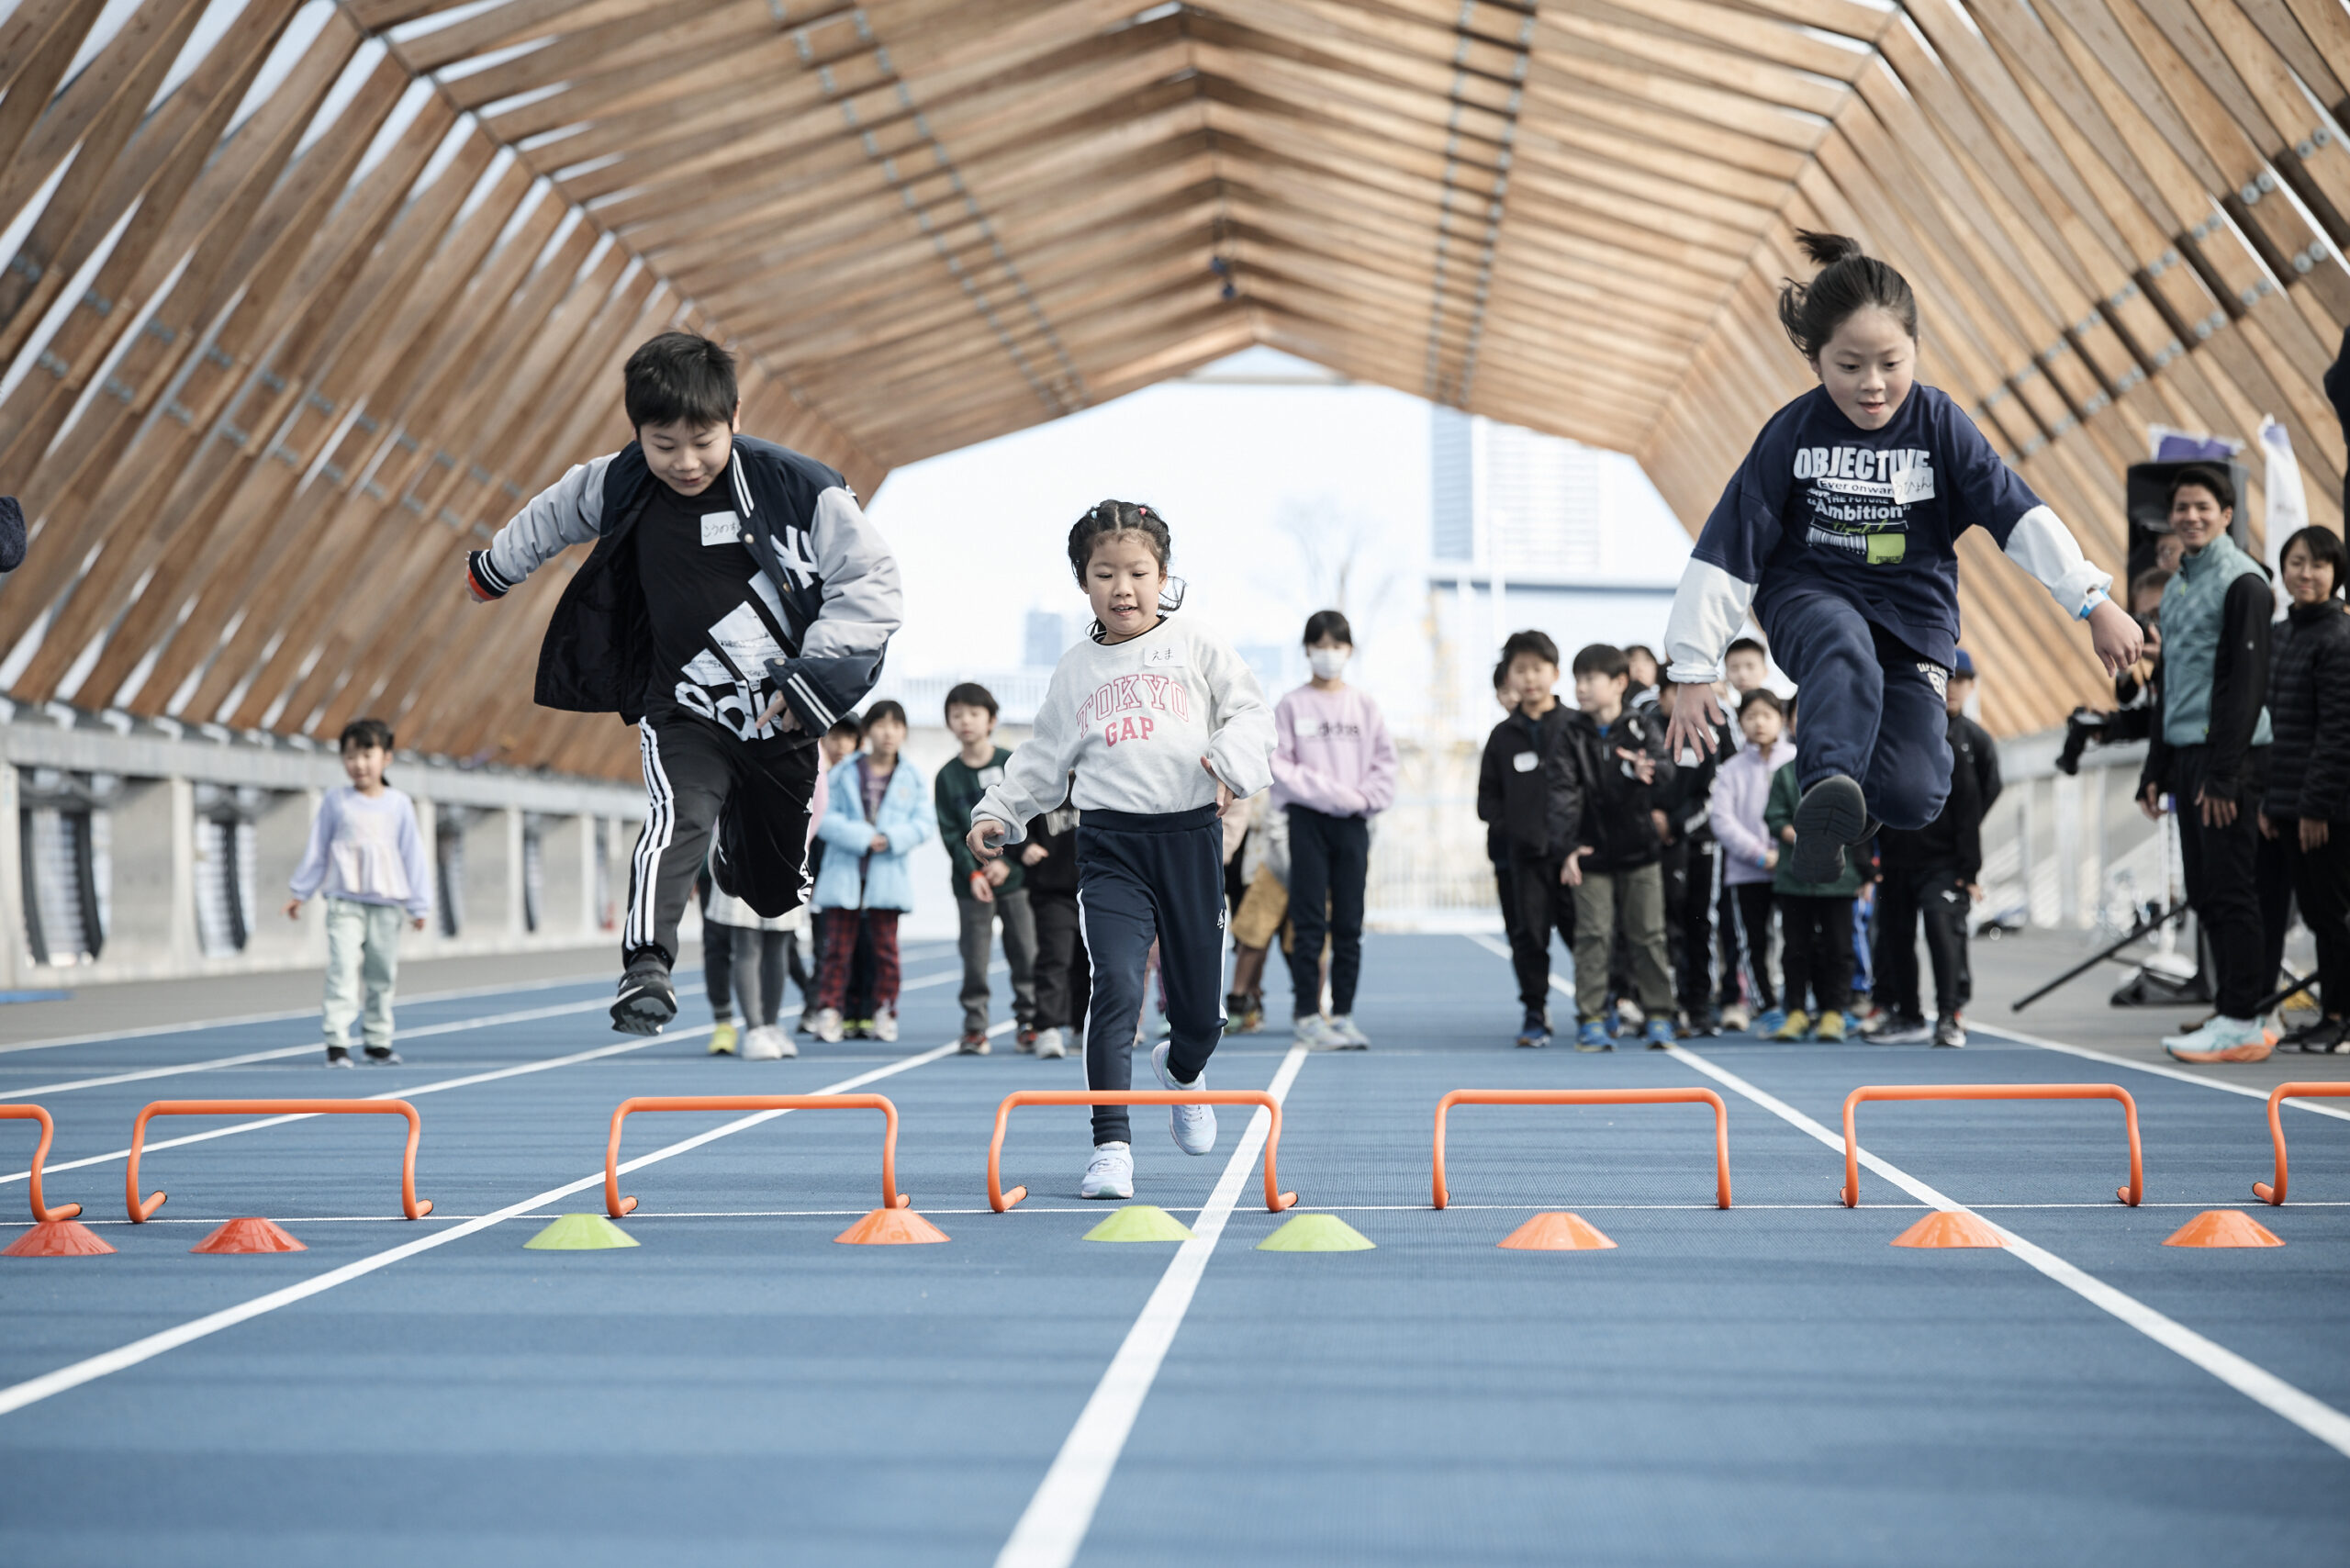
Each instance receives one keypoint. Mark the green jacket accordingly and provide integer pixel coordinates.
(1779, 812)
(957, 788)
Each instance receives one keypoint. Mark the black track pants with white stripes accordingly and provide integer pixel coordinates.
(754, 794)
(1141, 877)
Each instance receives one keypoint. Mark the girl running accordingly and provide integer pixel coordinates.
(1839, 533)
(1151, 731)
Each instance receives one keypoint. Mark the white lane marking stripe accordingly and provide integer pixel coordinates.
(2318, 1420)
(458, 1026)
(1052, 1527)
(2160, 1070)
(230, 1131)
(293, 1015)
(33, 1390)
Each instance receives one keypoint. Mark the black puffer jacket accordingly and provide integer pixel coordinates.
(1535, 783)
(2308, 714)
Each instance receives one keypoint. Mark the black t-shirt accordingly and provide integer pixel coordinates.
(716, 617)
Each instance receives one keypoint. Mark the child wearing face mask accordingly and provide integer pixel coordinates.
(1334, 769)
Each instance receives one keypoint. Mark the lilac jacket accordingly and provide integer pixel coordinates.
(1742, 788)
(1332, 754)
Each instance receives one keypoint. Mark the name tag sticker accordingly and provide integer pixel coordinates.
(1525, 762)
(1164, 655)
(718, 528)
(1915, 483)
(991, 776)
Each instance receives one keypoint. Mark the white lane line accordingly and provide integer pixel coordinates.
(418, 1000)
(1054, 1525)
(2160, 1070)
(620, 1048)
(32, 1389)
(2312, 1414)
(458, 1026)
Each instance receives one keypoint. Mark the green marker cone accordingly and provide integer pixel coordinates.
(1316, 1232)
(1140, 1221)
(579, 1232)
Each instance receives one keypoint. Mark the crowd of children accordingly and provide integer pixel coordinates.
(735, 607)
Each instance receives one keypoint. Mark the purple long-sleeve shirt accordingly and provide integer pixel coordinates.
(1332, 754)
(367, 850)
(1742, 788)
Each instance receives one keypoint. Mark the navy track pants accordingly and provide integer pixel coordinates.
(1867, 706)
(1144, 877)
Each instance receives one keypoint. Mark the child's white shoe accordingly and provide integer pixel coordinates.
(1110, 1173)
(767, 1043)
(1050, 1045)
(1193, 1126)
(885, 1024)
(828, 1025)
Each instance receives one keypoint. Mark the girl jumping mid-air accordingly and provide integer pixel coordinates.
(1840, 532)
(1150, 729)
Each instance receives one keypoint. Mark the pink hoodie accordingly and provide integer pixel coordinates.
(1331, 752)
(1742, 788)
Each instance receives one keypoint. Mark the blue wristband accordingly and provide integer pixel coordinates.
(2096, 598)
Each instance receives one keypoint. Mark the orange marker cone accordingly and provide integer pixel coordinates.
(57, 1238)
(891, 1228)
(1945, 1228)
(2223, 1227)
(249, 1236)
(1556, 1233)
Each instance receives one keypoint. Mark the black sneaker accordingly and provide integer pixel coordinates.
(1890, 1028)
(339, 1055)
(1949, 1032)
(2317, 1038)
(647, 1001)
(1832, 814)
(383, 1056)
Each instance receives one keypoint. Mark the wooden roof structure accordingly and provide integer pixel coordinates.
(302, 296)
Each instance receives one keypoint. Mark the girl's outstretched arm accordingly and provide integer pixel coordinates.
(1036, 779)
(2042, 545)
(1240, 752)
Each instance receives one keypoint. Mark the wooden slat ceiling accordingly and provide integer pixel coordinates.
(304, 297)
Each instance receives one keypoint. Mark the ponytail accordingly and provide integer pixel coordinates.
(1849, 280)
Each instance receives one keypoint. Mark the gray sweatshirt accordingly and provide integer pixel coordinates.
(1131, 721)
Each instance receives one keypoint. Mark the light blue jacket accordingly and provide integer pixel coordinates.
(852, 880)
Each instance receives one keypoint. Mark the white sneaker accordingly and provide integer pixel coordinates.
(1050, 1045)
(1312, 1031)
(828, 1025)
(1735, 1019)
(885, 1025)
(764, 1042)
(1110, 1173)
(1193, 1126)
(2222, 1039)
(1350, 1037)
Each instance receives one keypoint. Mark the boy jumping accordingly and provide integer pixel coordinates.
(735, 605)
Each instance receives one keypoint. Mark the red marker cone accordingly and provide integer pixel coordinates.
(891, 1228)
(2223, 1227)
(1556, 1233)
(1949, 1229)
(57, 1238)
(249, 1236)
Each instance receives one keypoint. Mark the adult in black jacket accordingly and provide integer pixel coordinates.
(1933, 871)
(1532, 784)
(2305, 812)
(2208, 752)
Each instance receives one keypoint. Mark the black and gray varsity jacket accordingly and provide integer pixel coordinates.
(837, 579)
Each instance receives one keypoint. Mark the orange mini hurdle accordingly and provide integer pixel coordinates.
(47, 1216)
(2274, 1195)
(1000, 1201)
(2130, 1194)
(415, 1207)
(617, 1205)
(1440, 1196)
